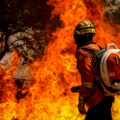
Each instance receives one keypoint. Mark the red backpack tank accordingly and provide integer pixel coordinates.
(108, 67)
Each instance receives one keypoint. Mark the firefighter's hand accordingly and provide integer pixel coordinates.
(81, 107)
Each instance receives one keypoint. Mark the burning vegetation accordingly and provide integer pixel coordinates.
(47, 95)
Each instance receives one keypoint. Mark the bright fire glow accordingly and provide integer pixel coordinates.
(49, 96)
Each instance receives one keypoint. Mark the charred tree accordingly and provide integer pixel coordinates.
(18, 16)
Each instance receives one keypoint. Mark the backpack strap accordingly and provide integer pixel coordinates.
(91, 50)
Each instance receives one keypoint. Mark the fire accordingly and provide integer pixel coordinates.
(49, 96)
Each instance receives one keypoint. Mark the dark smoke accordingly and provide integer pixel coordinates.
(113, 10)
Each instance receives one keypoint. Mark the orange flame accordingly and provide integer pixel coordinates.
(49, 96)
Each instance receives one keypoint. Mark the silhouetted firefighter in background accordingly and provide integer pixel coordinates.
(90, 92)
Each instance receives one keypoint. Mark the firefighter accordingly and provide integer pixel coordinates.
(90, 93)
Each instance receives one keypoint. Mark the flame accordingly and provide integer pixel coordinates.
(49, 96)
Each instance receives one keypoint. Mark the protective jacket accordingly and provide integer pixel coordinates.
(90, 91)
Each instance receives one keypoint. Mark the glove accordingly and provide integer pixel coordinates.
(81, 106)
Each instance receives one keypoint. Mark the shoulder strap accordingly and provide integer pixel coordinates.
(100, 47)
(92, 51)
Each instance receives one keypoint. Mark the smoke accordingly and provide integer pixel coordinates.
(113, 10)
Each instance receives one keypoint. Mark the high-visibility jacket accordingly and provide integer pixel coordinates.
(89, 90)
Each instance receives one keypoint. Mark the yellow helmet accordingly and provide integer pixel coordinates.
(84, 26)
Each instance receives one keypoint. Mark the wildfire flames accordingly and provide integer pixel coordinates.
(49, 96)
